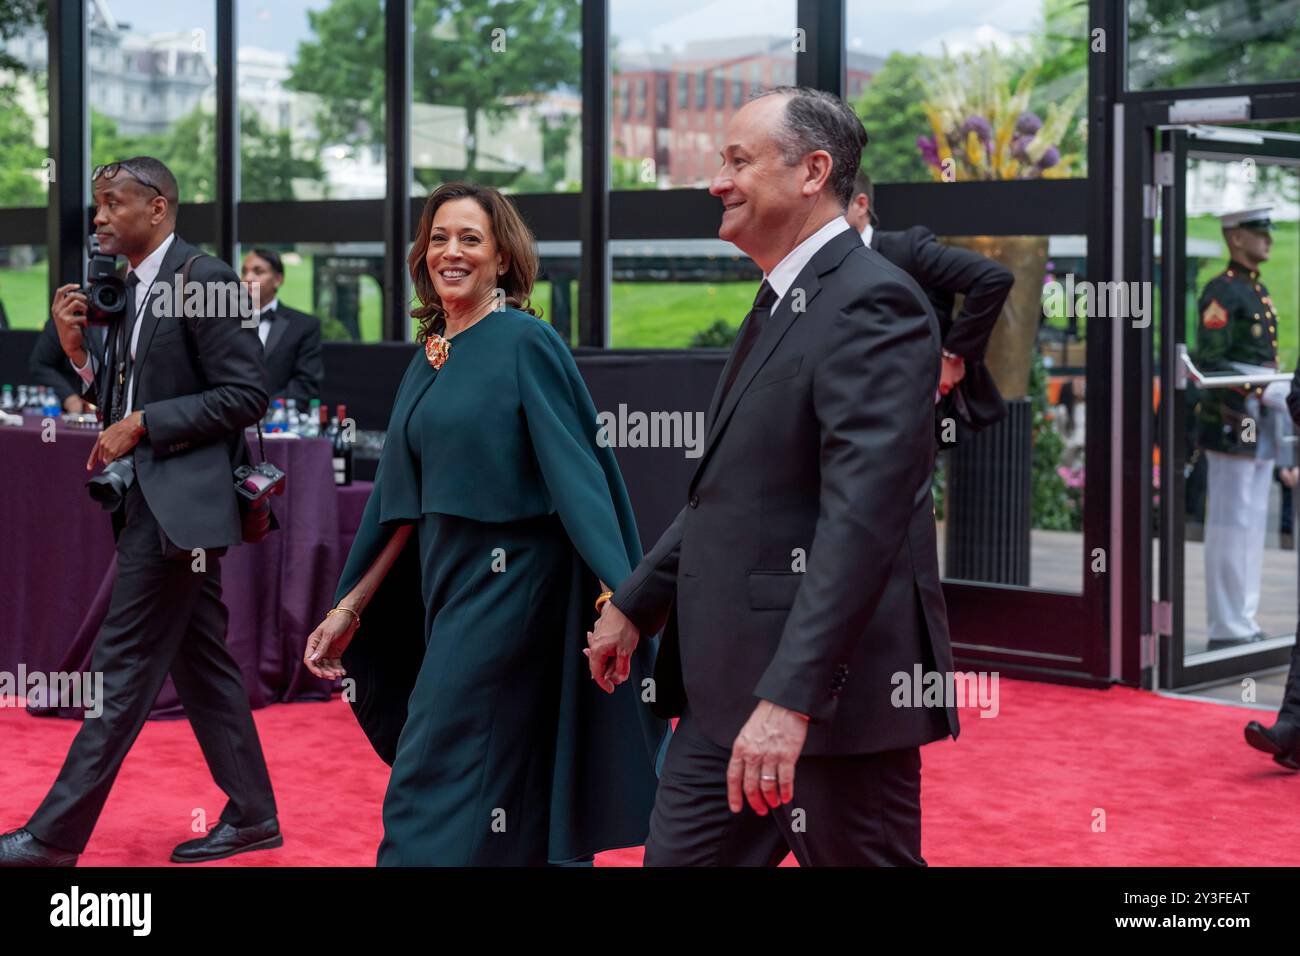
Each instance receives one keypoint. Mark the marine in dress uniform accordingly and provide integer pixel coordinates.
(1236, 334)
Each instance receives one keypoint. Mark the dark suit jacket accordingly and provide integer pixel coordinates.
(944, 272)
(294, 367)
(199, 390)
(50, 366)
(823, 448)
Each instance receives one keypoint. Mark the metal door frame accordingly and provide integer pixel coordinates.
(1179, 145)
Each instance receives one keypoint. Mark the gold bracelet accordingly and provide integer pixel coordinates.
(349, 610)
(603, 599)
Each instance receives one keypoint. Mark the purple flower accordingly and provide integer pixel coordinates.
(1018, 145)
(1050, 158)
(979, 125)
(1027, 124)
(929, 149)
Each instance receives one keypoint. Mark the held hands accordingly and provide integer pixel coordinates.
(610, 647)
(763, 758)
(326, 644)
(116, 440)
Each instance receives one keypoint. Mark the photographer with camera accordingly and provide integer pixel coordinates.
(176, 393)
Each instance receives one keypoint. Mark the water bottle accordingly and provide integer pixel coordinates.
(279, 421)
(7, 398)
(311, 425)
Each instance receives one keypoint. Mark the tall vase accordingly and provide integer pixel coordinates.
(1011, 347)
(988, 525)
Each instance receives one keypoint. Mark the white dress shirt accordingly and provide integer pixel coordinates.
(867, 232)
(787, 270)
(147, 272)
(264, 320)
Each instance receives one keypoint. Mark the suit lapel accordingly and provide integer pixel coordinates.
(171, 265)
(278, 327)
(778, 324)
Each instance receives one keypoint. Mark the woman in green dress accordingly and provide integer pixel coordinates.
(496, 520)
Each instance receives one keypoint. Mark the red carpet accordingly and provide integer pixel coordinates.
(1176, 782)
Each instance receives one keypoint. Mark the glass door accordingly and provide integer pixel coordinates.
(1226, 457)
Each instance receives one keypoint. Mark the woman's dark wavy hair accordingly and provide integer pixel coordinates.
(512, 236)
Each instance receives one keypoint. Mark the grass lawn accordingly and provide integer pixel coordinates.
(25, 297)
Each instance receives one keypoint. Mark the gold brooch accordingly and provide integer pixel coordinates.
(436, 350)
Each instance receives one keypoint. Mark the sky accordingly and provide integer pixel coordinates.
(874, 26)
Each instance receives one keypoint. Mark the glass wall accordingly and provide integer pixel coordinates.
(152, 86)
(24, 294)
(339, 283)
(952, 91)
(311, 100)
(497, 95)
(680, 69)
(679, 293)
(1173, 43)
(25, 171)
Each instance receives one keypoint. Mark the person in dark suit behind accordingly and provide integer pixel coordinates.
(176, 400)
(49, 366)
(290, 339)
(801, 578)
(944, 272)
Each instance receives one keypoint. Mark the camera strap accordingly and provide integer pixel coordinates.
(194, 341)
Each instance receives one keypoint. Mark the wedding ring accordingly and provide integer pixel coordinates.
(767, 777)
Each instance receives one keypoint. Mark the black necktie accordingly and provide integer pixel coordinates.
(122, 380)
(749, 334)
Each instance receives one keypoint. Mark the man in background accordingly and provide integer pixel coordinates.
(1237, 334)
(944, 272)
(290, 339)
(49, 366)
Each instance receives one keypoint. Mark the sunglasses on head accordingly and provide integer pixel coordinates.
(110, 170)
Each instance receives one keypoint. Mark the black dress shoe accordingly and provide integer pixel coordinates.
(20, 848)
(1282, 740)
(225, 840)
(1219, 643)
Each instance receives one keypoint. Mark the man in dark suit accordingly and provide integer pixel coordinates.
(944, 272)
(176, 401)
(801, 579)
(49, 366)
(290, 339)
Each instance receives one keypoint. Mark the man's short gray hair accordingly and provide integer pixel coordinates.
(815, 119)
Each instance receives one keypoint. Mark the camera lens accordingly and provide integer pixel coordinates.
(107, 298)
(257, 522)
(110, 485)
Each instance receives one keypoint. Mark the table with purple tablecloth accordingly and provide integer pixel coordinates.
(57, 563)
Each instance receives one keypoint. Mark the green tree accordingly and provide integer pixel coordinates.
(20, 183)
(459, 58)
(267, 163)
(16, 18)
(1209, 42)
(890, 109)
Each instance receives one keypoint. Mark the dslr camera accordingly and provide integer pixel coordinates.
(105, 290)
(255, 486)
(110, 485)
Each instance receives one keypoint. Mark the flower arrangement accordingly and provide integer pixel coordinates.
(984, 130)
